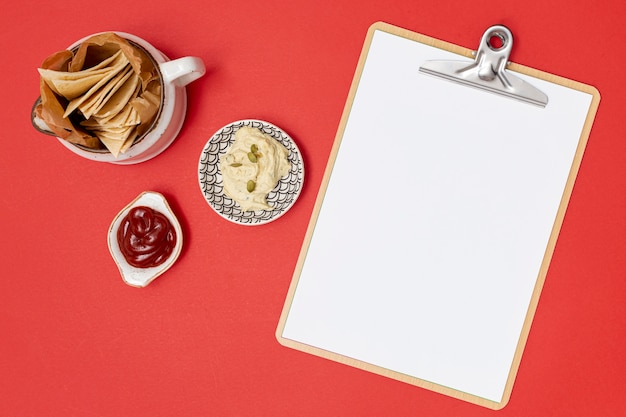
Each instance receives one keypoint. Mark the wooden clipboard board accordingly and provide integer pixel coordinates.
(436, 221)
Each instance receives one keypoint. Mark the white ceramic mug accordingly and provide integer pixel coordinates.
(175, 75)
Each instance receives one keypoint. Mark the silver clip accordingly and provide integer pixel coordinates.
(488, 71)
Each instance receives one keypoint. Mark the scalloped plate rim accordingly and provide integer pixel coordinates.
(300, 173)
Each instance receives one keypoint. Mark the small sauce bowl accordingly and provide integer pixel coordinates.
(141, 277)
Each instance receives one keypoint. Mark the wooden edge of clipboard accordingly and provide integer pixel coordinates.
(595, 101)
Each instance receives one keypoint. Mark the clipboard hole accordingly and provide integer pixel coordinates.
(496, 41)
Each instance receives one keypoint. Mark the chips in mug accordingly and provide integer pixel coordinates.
(107, 93)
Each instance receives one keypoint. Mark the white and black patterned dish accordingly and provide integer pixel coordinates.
(280, 199)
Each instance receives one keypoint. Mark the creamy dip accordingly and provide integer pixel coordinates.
(252, 167)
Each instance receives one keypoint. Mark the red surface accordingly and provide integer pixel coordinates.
(199, 341)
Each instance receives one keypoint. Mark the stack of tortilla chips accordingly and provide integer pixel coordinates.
(107, 93)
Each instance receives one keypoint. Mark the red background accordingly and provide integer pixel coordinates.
(199, 341)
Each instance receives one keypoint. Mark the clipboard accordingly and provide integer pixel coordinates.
(438, 214)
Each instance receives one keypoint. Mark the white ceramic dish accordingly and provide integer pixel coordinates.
(175, 75)
(281, 198)
(140, 277)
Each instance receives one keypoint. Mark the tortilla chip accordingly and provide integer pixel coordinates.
(115, 139)
(116, 66)
(121, 97)
(94, 103)
(72, 84)
(127, 117)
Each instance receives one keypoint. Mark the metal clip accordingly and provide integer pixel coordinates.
(488, 71)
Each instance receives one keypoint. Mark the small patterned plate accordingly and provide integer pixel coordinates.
(281, 198)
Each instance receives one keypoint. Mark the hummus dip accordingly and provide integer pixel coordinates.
(252, 167)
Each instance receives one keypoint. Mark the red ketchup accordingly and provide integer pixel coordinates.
(146, 237)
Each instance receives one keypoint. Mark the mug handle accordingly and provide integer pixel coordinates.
(182, 71)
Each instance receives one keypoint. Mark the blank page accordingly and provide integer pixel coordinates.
(435, 222)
